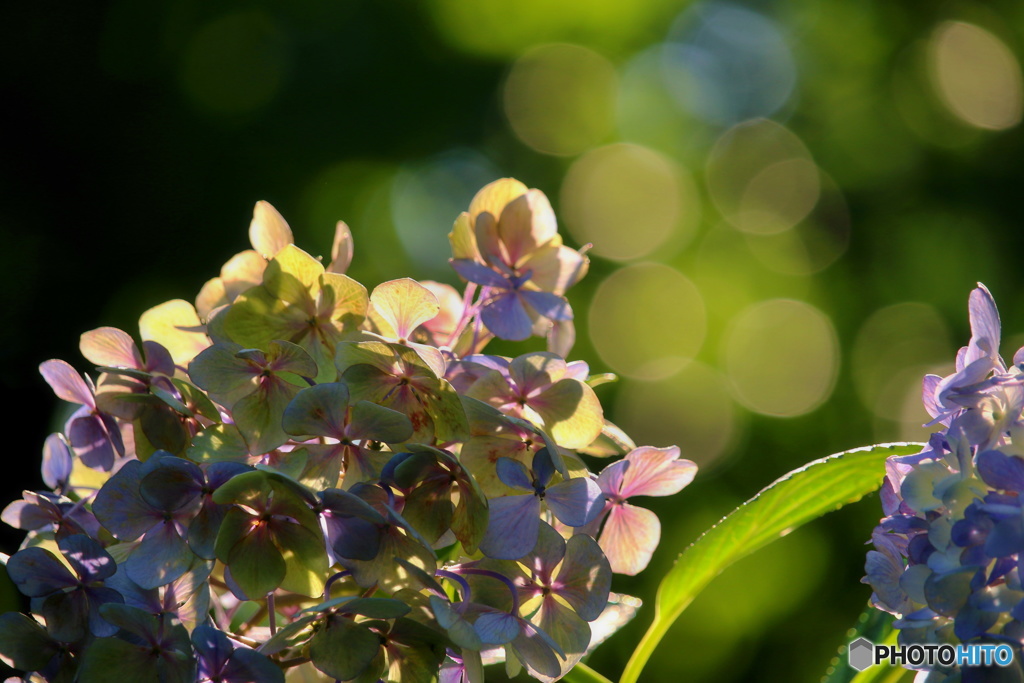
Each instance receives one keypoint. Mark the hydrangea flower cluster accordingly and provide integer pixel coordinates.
(296, 475)
(947, 558)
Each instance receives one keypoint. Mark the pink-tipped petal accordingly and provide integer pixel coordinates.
(67, 383)
(656, 472)
(629, 538)
(111, 347)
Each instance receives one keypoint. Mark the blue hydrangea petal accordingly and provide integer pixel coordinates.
(514, 473)
(162, 557)
(505, 316)
(543, 466)
(585, 578)
(213, 650)
(512, 527)
(551, 306)
(1006, 538)
(497, 628)
(475, 272)
(948, 593)
(36, 572)
(249, 666)
(575, 502)
(173, 484)
(87, 557)
(119, 507)
(57, 462)
(1001, 471)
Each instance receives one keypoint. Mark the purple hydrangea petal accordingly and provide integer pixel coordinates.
(1005, 472)
(474, 272)
(610, 478)
(1006, 537)
(120, 508)
(172, 484)
(158, 358)
(537, 650)
(57, 462)
(88, 558)
(543, 467)
(971, 623)
(505, 316)
(353, 538)
(249, 666)
(514, 473)
(512, 527)
(497, 628)
(213, 650)
(99, 596)
(36, 572)
(27, 515)
(575, 502)
(67, 383)
(162, 557)
(585, 578)
(94, 442)
(985, 327)
(111, 347)
(551, 306)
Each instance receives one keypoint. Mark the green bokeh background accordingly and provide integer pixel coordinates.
(140, 135)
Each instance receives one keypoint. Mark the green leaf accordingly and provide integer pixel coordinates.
(876, 626)
(795, 499)
(581, 673)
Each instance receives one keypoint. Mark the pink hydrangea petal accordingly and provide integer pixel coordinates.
(111, 347)
(629, 538)
(656, 472)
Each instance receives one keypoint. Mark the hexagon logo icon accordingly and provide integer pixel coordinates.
(860, 654)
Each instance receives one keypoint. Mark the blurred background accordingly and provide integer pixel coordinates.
(789, 202)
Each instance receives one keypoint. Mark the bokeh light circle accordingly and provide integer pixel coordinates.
(235, 64)
(813, 244)
(628, 200)
(691, 408)
(426, 197)
(762, 178)
(976, 76)
(560, 98)
(782, 357)
(736, 62)
(647, 321)
(894, 349)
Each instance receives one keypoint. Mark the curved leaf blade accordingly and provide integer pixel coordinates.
(793, 500)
